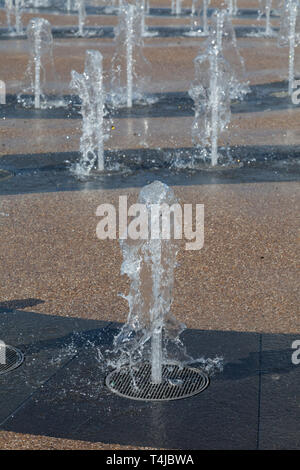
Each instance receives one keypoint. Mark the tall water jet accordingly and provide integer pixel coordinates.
(232, 7)
(141, 10)
(89, 86)
(129, 53)
(81, 16)
(40, 40)
(8, 10)
(38, 34)
(178, 7)
(217, 81)
(18, 14)
(268, 30)
(265, 9)
(199, 18)
(149, 262)
(289, 35)
(149, 359)
(130, 69)
(2, 92)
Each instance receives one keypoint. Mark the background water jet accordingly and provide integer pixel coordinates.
(89, 86)
(81, 16)
(150, 362)
(217, 81)
(289, 35)
(40, 40)
(130, 71)
(199, 18)
(232, 7)
(149, 264)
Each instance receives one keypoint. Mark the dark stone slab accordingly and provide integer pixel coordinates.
(108, 32)
(48, 342)
(280, 393)
(75, 403)
(175, 31)
(60, 8)
(66, 32)
(89, 32)
(149, 158)
(137, 167)
(59, 391)
(266, 97)
(246, 13)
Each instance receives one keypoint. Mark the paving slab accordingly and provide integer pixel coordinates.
(108, 32)
(75, 404)
(260, 98)
(37, 173)
(280, 393)
(48, 343)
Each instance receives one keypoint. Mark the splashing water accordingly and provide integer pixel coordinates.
(217, 80)
(289, 35)
(40, 42)
(130, 69)
(89, 86)
(151, 333)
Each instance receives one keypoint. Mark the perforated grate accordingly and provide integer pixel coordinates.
(178, 382)
(10, 358)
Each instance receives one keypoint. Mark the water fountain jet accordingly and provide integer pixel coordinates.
(152, 363)
(81, 17)
(199, 18)
(217, 81)
(130, 69)
(18, 13)
(40, 40)
(289, 35)
(265, 9)
(9, 10)
(89, 86)
(232, 7)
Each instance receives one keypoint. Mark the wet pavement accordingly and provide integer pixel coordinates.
(241, 409)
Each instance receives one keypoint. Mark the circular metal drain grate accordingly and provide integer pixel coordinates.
(178, 382)
(10, 358)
